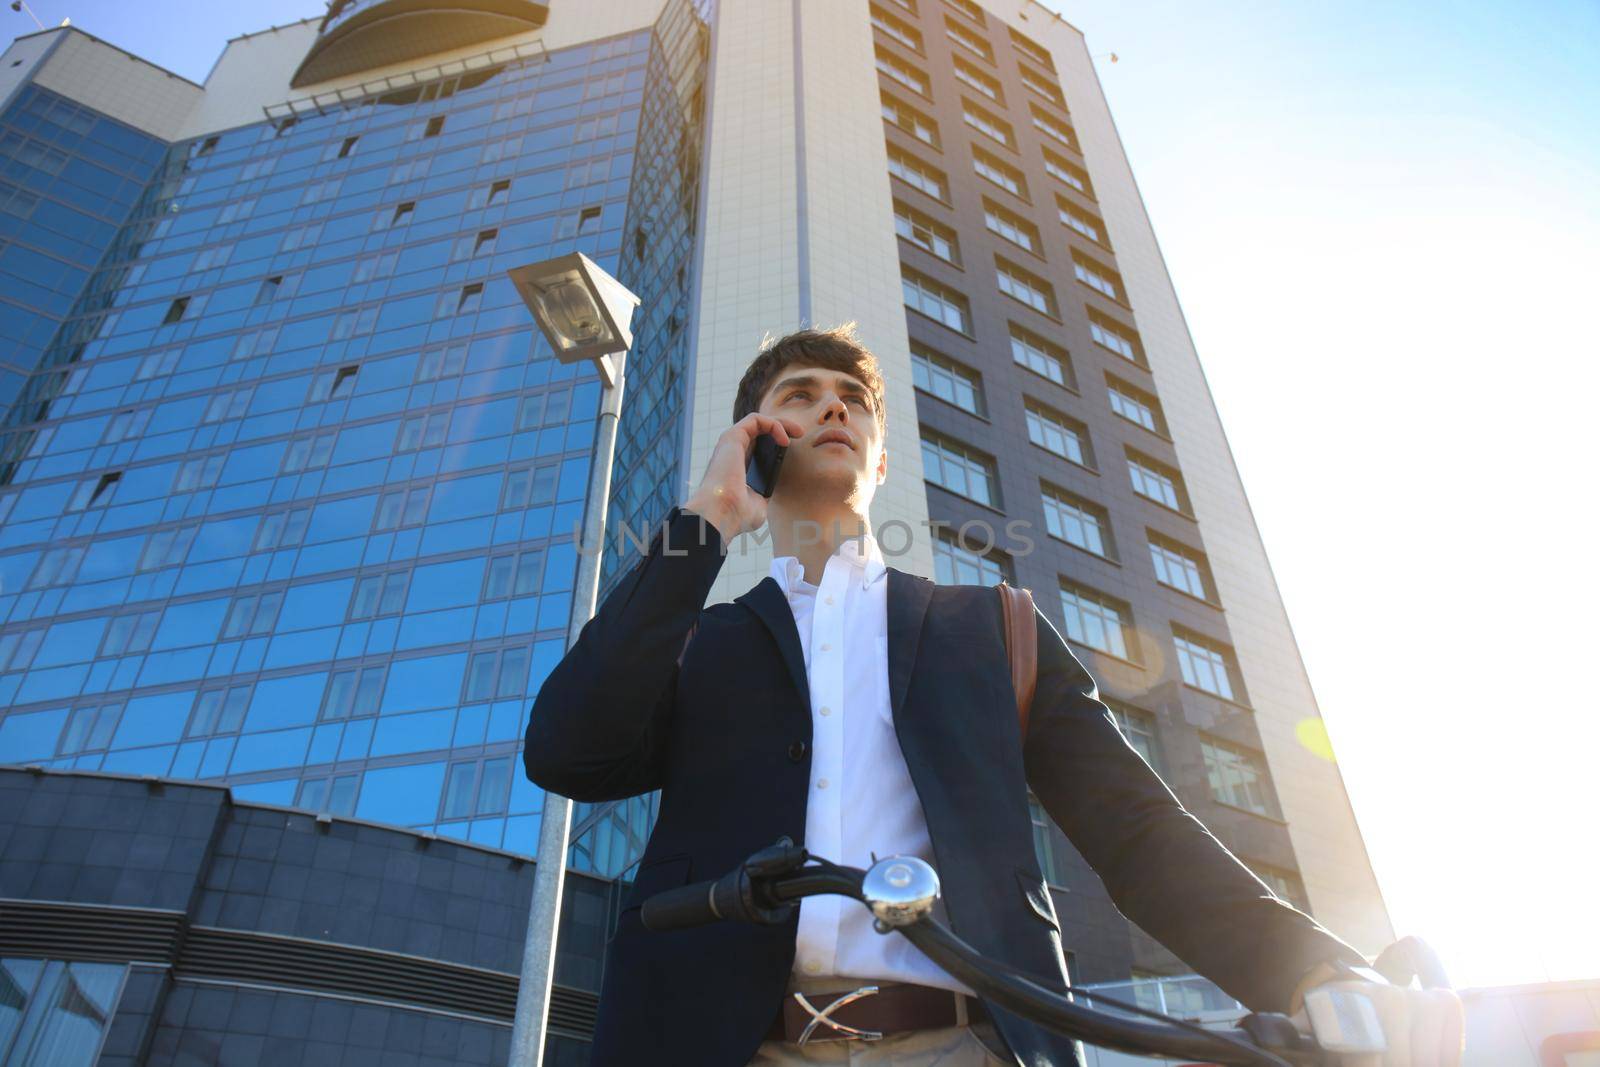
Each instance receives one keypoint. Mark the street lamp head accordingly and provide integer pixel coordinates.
(584, 313)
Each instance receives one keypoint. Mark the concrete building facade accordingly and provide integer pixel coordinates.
(288, 481)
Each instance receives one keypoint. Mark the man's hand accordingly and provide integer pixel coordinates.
(1424, 1027)
(723, 498)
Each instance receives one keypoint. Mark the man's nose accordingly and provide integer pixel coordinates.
(834, 405)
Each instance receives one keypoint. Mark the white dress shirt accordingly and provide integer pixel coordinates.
(861, 797)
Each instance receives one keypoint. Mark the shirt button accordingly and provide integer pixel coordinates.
(825, 710)
(827, 600)
(797, 751)
(822, 783)
(826, 646)
(812, 966)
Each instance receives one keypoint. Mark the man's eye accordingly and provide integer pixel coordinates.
(859, 400)
(797, 394)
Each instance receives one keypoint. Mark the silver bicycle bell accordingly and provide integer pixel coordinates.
(899, 890)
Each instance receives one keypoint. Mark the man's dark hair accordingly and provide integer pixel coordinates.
(836, 349)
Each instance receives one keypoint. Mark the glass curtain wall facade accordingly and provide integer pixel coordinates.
(291, 502)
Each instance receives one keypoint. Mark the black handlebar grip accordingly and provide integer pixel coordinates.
(692, 905)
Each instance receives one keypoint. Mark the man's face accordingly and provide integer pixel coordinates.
(831, 405)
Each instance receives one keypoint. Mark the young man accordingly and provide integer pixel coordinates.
(859, 709)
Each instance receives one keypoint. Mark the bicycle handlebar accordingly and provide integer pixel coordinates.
(767, 887)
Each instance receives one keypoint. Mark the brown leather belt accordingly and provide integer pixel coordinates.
(894, 1008)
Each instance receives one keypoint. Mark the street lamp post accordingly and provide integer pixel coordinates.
(586, 315)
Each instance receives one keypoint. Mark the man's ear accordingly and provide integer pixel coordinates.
(883, 464)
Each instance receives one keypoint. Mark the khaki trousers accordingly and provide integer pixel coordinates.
(978, 1045)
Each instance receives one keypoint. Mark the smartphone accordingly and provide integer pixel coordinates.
(766, 456)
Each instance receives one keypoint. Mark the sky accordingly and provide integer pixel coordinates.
(1383, 222)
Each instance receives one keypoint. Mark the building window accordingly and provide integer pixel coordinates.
(946, 379)
(475, 788)
(1139, 727)
(219, 711)
(124, 634)
(461, 301)
(1001, 173)
(1207, 665)
(961, 470)
(893, 67)
(1070, 173)
(1032, 49)
(378, 595)
(1156, 481)
(308, 453)
(931, 236)
(1135, 405)
(901, 31)
(1179, 567)
(402, 507)
(125, 426)
(422, 431)
(1029, 288)
(990, 125)
(1045, 87)
(1044, 358)
(967, 39)
(57, 1013)
(333, 385)
(281, 529)
(1076, 521)
(1237, 776)
(89, 729)
(910, 120)
(1075, 218)
(1053, 127)
(252, 615)
(514, 575)
(474, 245)
(498, 675)
(1042, 826)
(1055, 432)
(18, 649)
(1115, 337)
(529, 487)
(908, 6)
(489, 195)
(956, 564)
(970, 9)
(1013, 227)
(167, 548)
(441, 363)
(353, 694)
(97, 492)
(336, 796)
(916, 173)
(175, 311)
(973, 78)
(1095, 620)
(1099, 277)
(939, 302)
(203, 473)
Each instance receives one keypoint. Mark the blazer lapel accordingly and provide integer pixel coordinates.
(766, 599)
(908, 607)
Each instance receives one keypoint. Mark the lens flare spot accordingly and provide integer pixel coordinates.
(1313, 737)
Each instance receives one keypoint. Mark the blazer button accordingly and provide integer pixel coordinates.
(797, 751)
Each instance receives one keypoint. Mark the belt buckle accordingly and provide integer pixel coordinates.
(844, 1032)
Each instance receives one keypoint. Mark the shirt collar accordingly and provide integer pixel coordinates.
(861, 552)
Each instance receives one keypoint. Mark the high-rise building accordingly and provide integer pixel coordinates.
(289, 482)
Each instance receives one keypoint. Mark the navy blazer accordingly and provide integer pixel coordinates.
(725, 735)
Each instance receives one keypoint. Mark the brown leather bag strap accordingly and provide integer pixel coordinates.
(1022, 645)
